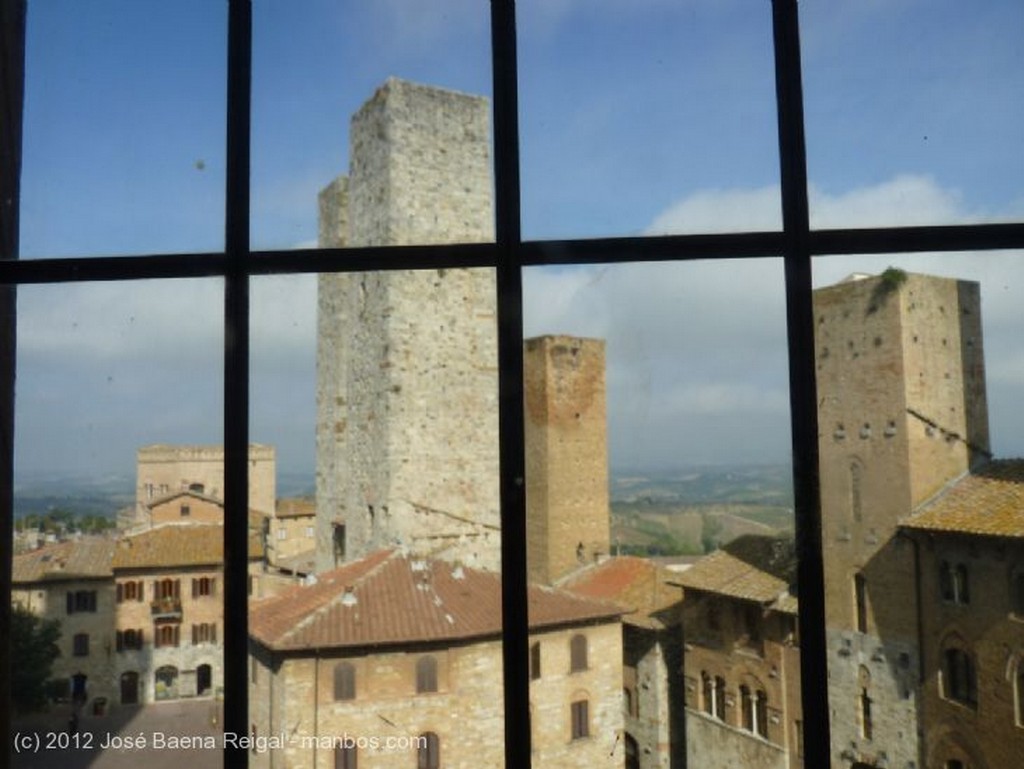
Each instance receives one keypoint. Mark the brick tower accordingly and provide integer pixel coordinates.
(902, 413)
(566, 455)
(407, 434)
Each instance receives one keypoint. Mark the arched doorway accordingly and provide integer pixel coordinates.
(129, 688)
(166, 687)
(632, 753)
(204, 679)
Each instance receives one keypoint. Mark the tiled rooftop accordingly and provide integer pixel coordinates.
(77, 559)
(752, 567)
(987, 502)
(392, 598)
(295, 507)
(175, 545)
(637, 584)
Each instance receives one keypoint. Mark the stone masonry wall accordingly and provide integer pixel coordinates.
(165, 469)
(465, 712)
(902, 413)
(566, 454)
(407, 360)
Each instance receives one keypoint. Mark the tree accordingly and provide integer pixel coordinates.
(33, 650)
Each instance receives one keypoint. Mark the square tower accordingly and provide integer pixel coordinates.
(902, 414)
(567, 516)
(407, 386)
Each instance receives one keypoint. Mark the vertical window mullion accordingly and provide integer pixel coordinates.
(802, 384)
(512, 462)
(236, 379)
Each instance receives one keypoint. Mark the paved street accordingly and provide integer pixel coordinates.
(51, 746)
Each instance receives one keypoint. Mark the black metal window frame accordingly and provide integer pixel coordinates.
(508, 255)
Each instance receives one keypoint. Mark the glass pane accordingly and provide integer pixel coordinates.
(124, 128)
(920, 381)
(380, 593)
(658, 457)
(647, 118)
(915, 112)
(382, 106)
(118, 507)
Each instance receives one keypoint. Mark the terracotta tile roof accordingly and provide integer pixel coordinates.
(753, 567)
(295, 507)
(396, 598)
(77, 559)
(637, 584)
(177, 545)
(183, 493)
(987, 502)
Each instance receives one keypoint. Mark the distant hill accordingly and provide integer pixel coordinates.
(691, 511)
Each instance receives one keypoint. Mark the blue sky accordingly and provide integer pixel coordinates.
(637, 116)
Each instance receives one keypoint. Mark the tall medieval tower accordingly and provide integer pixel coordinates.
(902, 413)
(567, 515)
(407, 433)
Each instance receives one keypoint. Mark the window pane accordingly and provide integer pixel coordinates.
(647, 118)
(383, 104)
(919, 378)
(118, 431)
(657, 438)
(915, 112)
(379, 391)
(124, 128)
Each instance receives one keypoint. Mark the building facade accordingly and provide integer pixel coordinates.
(392, 661)
(901, 385)
(969, 543)
(741, 656)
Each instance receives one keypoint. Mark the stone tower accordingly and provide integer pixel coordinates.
(902, 413)
(566, 455)
(407, 433)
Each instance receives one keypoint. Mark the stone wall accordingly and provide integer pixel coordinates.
(165, 469)
(566, 455)
(407, 449)
(990, 629)
(902, 413)
(295, 694)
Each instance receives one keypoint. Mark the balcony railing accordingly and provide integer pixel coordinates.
(166, 609)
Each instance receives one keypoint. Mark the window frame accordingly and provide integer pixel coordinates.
(795, 244)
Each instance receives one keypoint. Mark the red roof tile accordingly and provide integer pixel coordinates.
(393, 598)
(76, 559)
(174, 545)
(752, 568)
(635, 583)
(988, 502)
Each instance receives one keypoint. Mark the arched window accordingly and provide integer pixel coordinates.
(426, 675)
(720, 698)
(1018, 691)
(959, 677)
(580, 711)
(428, 755)
(746, 708)
(953, 583)
(856, 482)
(707, 693)
(344, 681)
(578, 653)
(761, 713)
